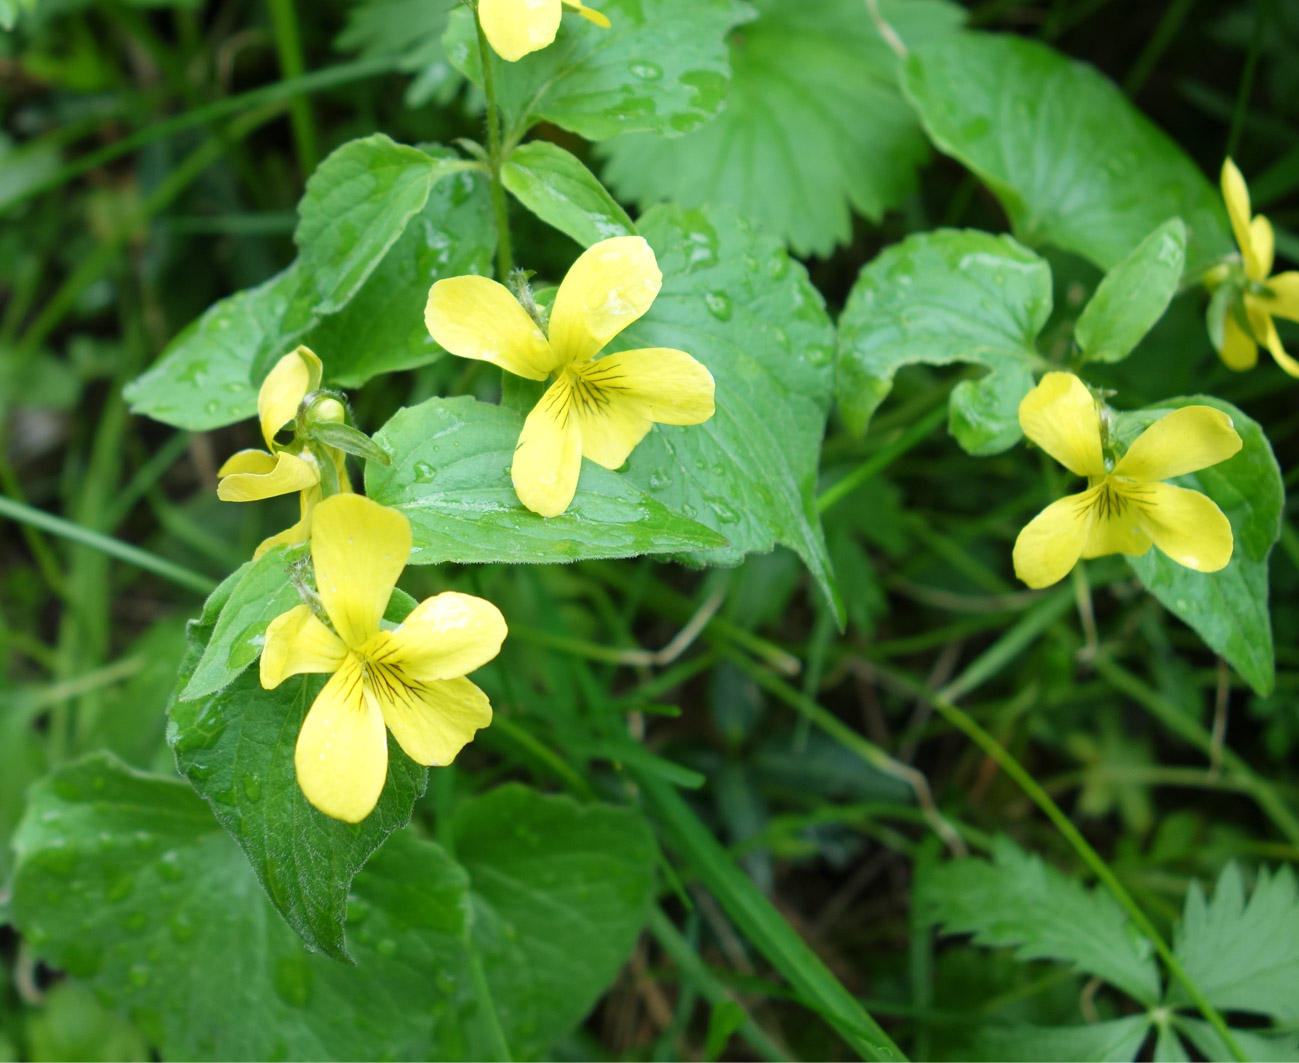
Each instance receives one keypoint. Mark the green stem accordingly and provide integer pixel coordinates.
(159, 566)
(881, 459)
(288, 46)
(964, 723)
(495, 159)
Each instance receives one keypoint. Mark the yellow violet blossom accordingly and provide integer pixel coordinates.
(410, 678)
(516, 27)
(1264, 297)
(253, 475)
(600, 408)
(1126, 507)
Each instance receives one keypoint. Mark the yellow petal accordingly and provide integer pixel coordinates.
(1060, 416)
(1183, 441)
(1284, 300)
(1115, 529)
(283, 390)
(610, 426)
(659, 383)
(589, 13)
(446, 636)
(358, 548)
(342, 752)
(548, 457)
(1265, 329)
(433, 721)
(516, 27)
(297, 533)
(1051, 543)
(1236, 196)
(610, 285)
(1264, 244)
(285, 473)
(1188, 527)
(298, 643)
(474, 317)
(1239, 351)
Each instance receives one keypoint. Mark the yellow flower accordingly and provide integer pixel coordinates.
(252, 475)
(1125, 508)
(598, 408)
(1263, 297)
(516, 27)
(410, 678)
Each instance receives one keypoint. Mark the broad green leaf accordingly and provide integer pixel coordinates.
(409, 34)
(127, 883)
(236, 747)
(560, 893)
(1243, 951)
(736, 301)
(261, 591)
(952, 295)
(1227, 609)
(203, 379)
(1073, 162)
(72, 1024)
(1259, 1047)
(1018, 901)
(660, 68)
(209, 375)
(1133, 295)
(562, 192)
(1112, 1041)
(814, 126)
(356, 206)
(451, 476)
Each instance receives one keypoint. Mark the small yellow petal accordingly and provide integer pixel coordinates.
(1188, 527)
(1183, 441)
(252, 462)
(1051, 543)
(548, 457)
(1239, 351)
(589, 13)
(474, 317)
(1060, 416)
(610, 431)
(516, 27)
(283, 390)
(661, 384)
(1265, 329)
(611, 285)
(1263, 242)
(358, 548)
(298, 643)
(287, 473)
(433, 721)
(1115, 529)
(1284, 300)
(446, 636)
(342, 752)
(1236, 196)
(297, 533)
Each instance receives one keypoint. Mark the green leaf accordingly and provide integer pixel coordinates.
(72, 1024)
(209, 375)
(661, 68)
(356, 206)
(736, 301)
(563, 193)
(236, 747)
(409, 33)
(947, 296)
(1227, 609)
(1243, 952)
(126, 882)
(1016, 900)
(1259, 1047)
(258, 592)
(451, 476)
(1112, 1041)
(560, 893)
(1133, 295)
(1072, 161)
(814, 126)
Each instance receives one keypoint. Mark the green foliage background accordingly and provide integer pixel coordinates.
(785, 764)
